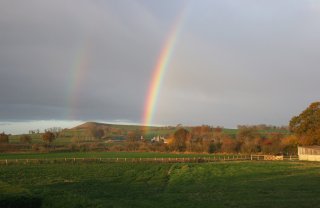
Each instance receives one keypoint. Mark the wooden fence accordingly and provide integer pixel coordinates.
(274, 157)
(127, 160)
(150, 160)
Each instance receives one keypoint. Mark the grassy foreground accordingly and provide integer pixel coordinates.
(225, 184)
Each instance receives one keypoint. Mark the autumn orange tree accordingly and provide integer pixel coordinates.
(48, 137)
(306, 126)
(180, 139)
(289, 144)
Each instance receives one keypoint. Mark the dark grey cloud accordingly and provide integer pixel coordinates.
(248, 62)
(234, 62)
(41, 44)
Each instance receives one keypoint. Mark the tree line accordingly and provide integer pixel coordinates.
(303, 129)
(207, 139)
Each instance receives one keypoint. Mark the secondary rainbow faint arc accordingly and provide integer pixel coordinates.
(78, 72)
(160, 70)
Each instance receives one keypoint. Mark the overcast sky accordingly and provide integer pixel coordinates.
(235, 62)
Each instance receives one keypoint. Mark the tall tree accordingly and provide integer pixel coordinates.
(180, 139)
(306, 126)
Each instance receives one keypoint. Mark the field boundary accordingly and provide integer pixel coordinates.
(149, 160)
(127, 160)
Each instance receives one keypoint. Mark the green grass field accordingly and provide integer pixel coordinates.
(220, 184)
(100, 155)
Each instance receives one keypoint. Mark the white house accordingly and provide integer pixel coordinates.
(310, 153)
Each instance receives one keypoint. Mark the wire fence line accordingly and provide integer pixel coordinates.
(151, 160)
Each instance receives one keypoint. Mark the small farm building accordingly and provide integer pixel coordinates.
(311, 153)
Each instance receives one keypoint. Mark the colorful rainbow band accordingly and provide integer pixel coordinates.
(160, 70)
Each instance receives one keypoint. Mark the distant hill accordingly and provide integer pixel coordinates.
(122, 130)
(90, 125)
(115, 130)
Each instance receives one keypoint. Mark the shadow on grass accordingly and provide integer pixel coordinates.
(19, 201)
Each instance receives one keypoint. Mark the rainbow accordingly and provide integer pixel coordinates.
(160, 69)
(78, 73)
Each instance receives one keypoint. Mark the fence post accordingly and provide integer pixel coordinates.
(6, 162)
(251, 157)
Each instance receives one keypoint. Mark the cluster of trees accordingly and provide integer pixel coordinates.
(37, 131)
(304, 130)
(247, 140)
(47, 137)
(264, 127)
(213, 140)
